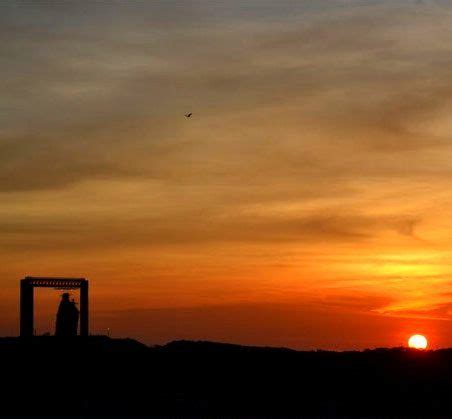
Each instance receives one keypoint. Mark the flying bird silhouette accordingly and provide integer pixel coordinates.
(187, 115)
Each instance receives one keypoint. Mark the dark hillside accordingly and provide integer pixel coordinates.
(101, 376)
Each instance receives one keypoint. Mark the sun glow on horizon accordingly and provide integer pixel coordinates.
(417, 342)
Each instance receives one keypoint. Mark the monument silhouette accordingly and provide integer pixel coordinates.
(65, 321)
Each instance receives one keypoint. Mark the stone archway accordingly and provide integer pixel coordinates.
(27, 286)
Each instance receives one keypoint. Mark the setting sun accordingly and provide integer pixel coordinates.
(417, 342)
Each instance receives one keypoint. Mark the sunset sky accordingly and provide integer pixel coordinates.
(306, 203)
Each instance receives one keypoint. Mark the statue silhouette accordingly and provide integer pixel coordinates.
(67, 317)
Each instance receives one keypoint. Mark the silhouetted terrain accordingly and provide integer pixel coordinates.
(102, 376)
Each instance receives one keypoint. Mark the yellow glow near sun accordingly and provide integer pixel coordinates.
(417, 342)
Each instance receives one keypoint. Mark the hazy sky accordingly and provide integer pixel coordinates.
(306, 203)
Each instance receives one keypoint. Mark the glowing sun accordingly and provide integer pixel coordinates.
(417, 342)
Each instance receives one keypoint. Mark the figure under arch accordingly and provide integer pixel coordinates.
(67, 317)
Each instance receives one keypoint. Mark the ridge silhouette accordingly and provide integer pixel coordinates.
(125, 377)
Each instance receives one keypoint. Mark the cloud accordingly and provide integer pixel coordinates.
(196, 228)
(441, 311)
(101, 104)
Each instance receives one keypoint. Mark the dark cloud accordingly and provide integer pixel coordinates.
(307, 325)
(75, 231)
(441, 311)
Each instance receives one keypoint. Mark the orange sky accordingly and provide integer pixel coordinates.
(307, 202)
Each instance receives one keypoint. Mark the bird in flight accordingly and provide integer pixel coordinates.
(187, 115)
